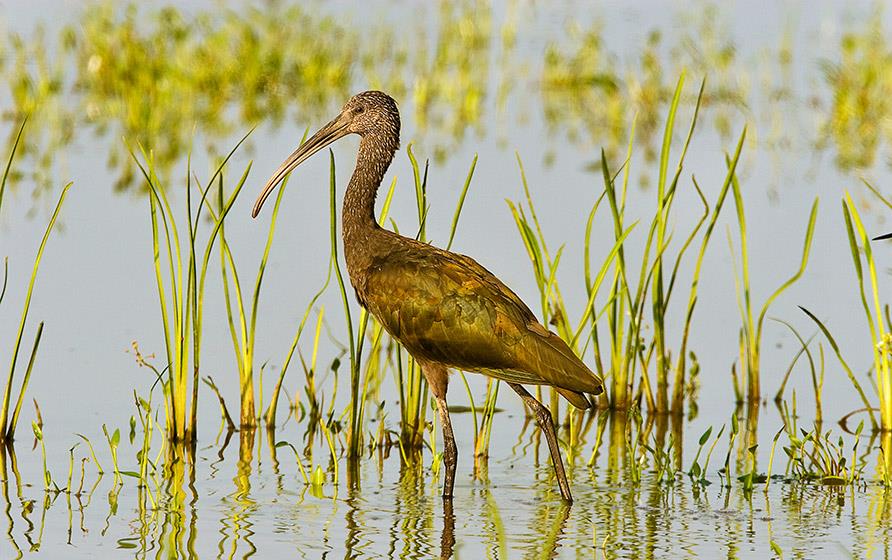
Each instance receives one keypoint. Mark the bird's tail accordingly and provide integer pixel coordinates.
(579, 400)
(548, 356)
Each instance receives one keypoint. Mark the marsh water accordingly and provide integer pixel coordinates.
(550, 85)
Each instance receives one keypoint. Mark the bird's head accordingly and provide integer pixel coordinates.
(366, 113)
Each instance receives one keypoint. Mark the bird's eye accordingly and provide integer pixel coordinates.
(358, 110)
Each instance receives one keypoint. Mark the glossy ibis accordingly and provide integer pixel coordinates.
(444, 308)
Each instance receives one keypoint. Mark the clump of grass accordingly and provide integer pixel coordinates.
(244, 336)
(180, 281)
(626, 346)
(814, 455)
(627, 349)
(553, 309)
(8, 423)
(751, 331)
(880, 337)
(879, 325)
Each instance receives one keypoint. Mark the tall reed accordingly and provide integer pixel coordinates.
(8, 423)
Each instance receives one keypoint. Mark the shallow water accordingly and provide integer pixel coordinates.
(467, 84)
(234, 500)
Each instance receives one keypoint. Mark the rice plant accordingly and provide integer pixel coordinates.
(180, 280)
(9, 422)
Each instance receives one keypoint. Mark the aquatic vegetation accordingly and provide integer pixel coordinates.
(113, 441)
(8, 423)
(628, 353)
(38, 434)
(813, 455)
(876, 313)
(216, 61)
(243, 338)
(634, 499)
(181, 299)
(857, 120)
(751, 331)
(226, 69)
(590, 94)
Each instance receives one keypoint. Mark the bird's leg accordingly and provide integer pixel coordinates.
(450, 450)
(438, 380)
(447, 537)
(543, 417)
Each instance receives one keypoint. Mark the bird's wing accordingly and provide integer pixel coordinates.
(443, 310)
(448, 308)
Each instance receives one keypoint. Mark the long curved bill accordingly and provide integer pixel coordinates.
(325, 136)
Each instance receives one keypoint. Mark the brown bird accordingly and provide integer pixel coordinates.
(444, 308)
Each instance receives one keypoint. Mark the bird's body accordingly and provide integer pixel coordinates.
(448, 311)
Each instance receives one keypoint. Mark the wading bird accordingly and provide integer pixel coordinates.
(444, 308)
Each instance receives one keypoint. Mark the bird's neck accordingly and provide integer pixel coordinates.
(360, 229)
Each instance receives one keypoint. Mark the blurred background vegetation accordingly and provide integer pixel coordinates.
(166, 77)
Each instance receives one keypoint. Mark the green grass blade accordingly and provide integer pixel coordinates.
(844, 364)
(602, 273)
(461, 202)
(4, 409)
(5, 278)
(10, 432)
(667, 135)
(12, 152)
(806, 248)
(355, 435)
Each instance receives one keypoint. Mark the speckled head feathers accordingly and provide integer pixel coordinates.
(372, 111)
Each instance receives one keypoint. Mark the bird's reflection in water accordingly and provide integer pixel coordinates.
(447, 538)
